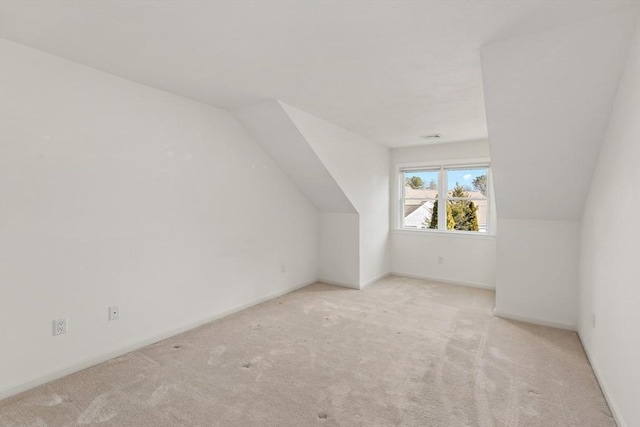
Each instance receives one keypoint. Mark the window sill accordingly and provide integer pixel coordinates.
(439, 233)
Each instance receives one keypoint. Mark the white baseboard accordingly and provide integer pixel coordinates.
(374, 280)
(603, 386)
(444, 280)
(352, 286)
(535, 321)
(336, 283)
(49, 376)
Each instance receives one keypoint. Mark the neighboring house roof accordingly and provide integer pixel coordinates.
(419, 216)
(423, 193)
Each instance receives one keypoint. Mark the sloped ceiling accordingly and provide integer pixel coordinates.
(387, 70)
(270, 125)
(548, 97)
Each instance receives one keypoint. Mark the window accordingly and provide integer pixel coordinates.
(462, 189)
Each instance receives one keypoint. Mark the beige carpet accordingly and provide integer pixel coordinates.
(402, 352)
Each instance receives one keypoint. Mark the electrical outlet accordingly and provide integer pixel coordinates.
(114, 312)
(60, 326)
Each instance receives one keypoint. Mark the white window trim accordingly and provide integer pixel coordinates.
(441, 166)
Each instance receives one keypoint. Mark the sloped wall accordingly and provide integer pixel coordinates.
(270, 125)
(548, 96)
(610, 250)
(360, 167)
(353, 195)
(114, 193)
(339, 223)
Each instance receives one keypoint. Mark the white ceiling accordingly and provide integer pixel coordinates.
(391, 71)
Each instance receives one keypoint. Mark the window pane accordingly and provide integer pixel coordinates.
(467, 215)
(418, 214)
(483, 214)
(420, 184)
(467, 183)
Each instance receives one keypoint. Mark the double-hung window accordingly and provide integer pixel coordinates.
(463, 190)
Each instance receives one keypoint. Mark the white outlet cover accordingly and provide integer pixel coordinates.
(60, 326)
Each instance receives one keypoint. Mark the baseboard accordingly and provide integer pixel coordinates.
(535, 321)
(444, 280)
(336, 283)
(603, 386)
(52, 375)
(374, 280)
(352, 286)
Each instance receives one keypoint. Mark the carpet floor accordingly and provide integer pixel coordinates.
(402, 352)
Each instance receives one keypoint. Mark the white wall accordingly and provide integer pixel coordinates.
(610, 253)
(360, 167)
(441, 152)
(548, 96)
(538, 260)
(271, 126)
(468, 260)
(339, 249)
(114, 193)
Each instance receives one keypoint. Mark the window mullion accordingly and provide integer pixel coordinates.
(489, 225)
(442, 202)
(402, 201)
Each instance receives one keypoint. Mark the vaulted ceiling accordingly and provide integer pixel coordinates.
(391, 71)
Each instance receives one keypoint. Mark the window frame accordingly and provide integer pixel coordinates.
(442, 168)
(403, 188)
